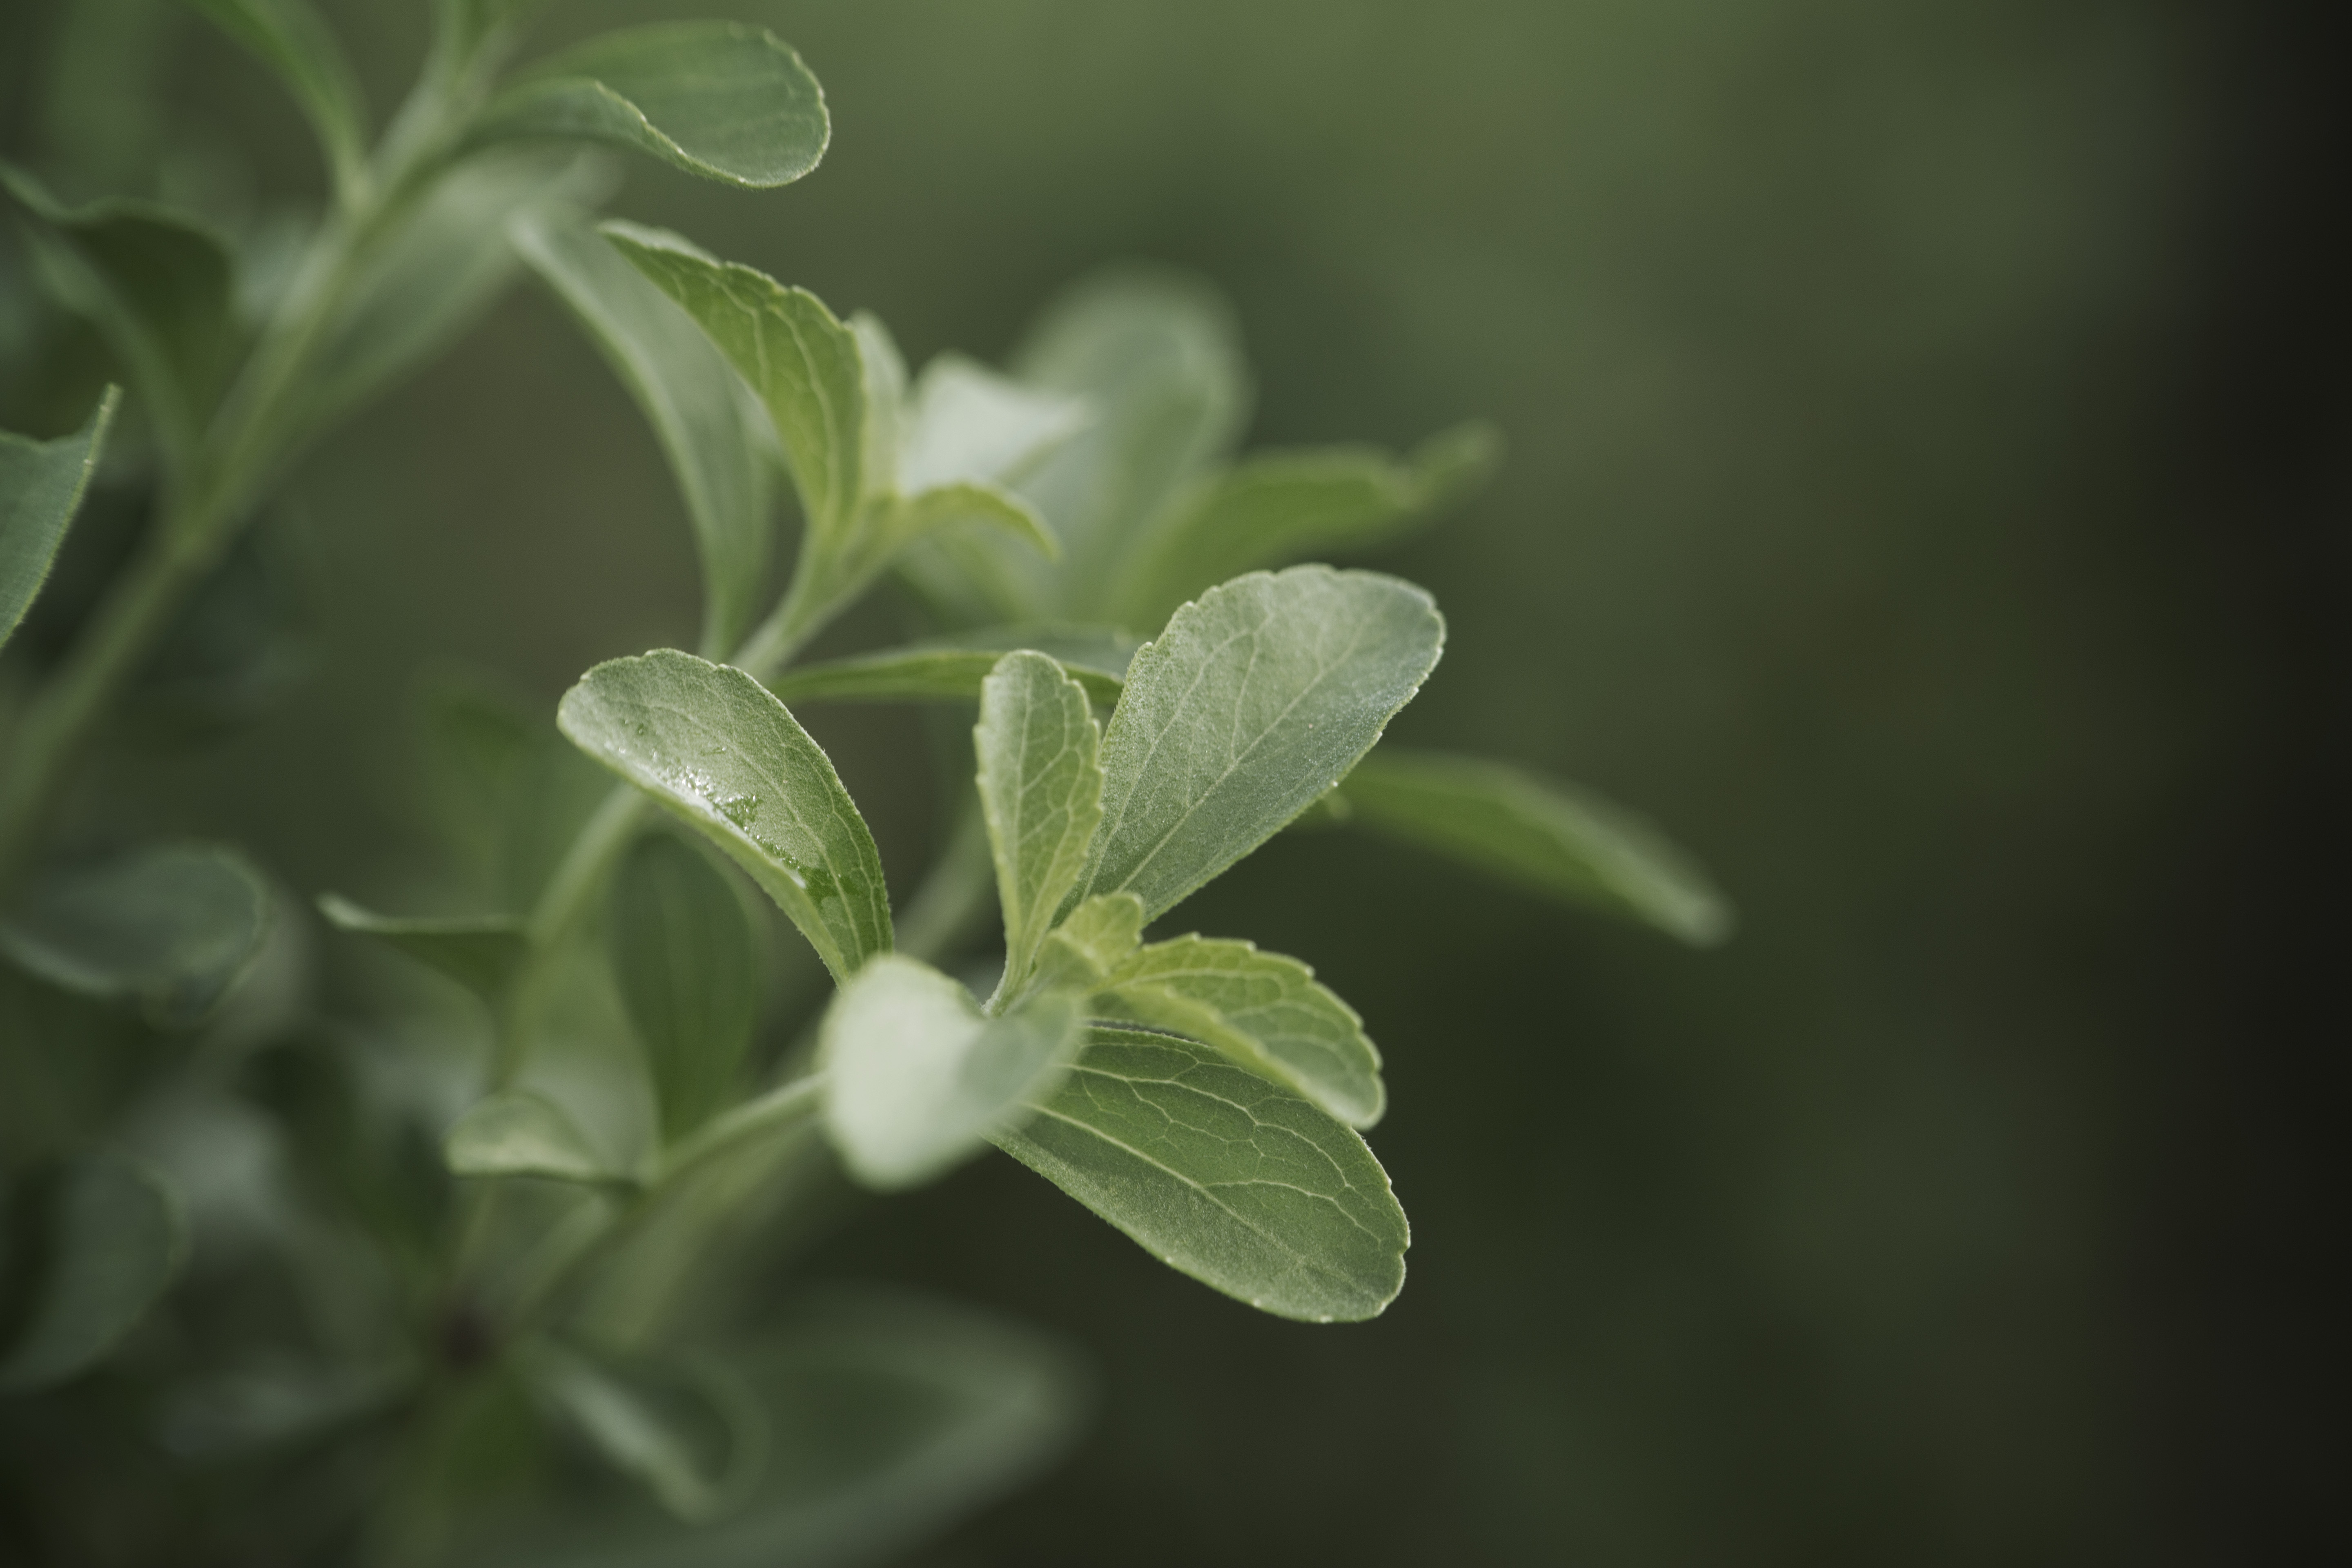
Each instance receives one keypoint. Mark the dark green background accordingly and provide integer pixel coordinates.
(1918, 499)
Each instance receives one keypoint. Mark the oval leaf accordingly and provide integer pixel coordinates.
(515, 1133)
(41, 487)
(682, 951)
(916, 1076)
(722, 100)
(1041, 794)
(173, 927)
(1254, 701)
(1223, 1176)
(1542, 833)
(715, 748)
(481, 952)
(104, 1236)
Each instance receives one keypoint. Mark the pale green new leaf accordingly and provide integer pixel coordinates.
(1542, 834)
(1222, 1175)
(690, 396)
(683, 953)
(689, 1429)
(173, 927)
(1257, 698)
(950, 669)
(481, 952)
(41, 487)
(1277, 507)
(722, 100)
(1040, 793)
(801, 360)
(1263, 1009)
(1092, 940)
(515, 1133)
(108, 1237)
(715, 748)
(965, 423)
(288, 38)
(916, 1076)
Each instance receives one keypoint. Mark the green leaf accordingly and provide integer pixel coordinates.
(1264, 1010)
(1222, 1175)
(157, 283)
(413, 296)
(722, 100)
(98, 1239)
(1276, 507)
(481, 952)
(917, 1077)
(174, 927)
(288, 38)
(801, 358)
(1092, 940)
(515, 1133)
(965, 423)
(686, 1426)
(952, 668)
(41, 487)
(690, 396)
(1257, 698)
(683, 953)
(1542, 833)
(712, 746)
(1041, 791)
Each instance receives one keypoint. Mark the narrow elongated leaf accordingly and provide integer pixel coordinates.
(952, 668)
(157, 283)
(682, 951)
(690, 396)
(917, 1077)
(515, 1133)
(41, 487)
(1222, 1175)
(801, 358)
(965, 423)
(722, 100)
(102, 1236)
(173, 927)
(481, 952)
(715, 748)
(288, 38)
(1091, 941)
(1040, 793)
(686, 1427)
(1254, 700)
(1276, 507)
(1542, 833)
(1264, 1010)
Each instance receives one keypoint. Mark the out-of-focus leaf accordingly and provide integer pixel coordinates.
(951, 669)
(722, 100)
(715, 749)
(269, 1403)
(1257, 698)
(481, 952)
(504, 785)
(965, 423)
(689, 395)
(889, 1419)
(917, 1077)
(1092, 940)
(1040, 793)
(41, 486)
(682, 952)
(174, 927)
(158, 284)
(1276, 507)
(687, 1429)
(288, 38)
(1222, 1175)
(1263, 1009)
(1542, 834)
(97, 1239)
(413, 296)
(515, 1133)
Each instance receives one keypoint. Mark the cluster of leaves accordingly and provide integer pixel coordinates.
(541, 1227)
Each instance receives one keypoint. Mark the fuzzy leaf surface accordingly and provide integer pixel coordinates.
(1222, 1175)
(917, 1077)
(690, 396)
(1257, 698)
(1040, 793)
(108, 1236)
(683, 953)
(173, 927)
(481, 952)
(41, 487)
(717, 750)
(722, 100)
(1542, 833)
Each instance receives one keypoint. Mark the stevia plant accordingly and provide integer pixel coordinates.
(504, 1255)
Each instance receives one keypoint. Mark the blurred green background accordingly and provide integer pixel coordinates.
(1911, 502)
